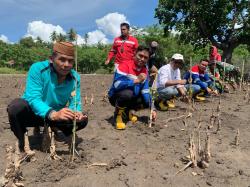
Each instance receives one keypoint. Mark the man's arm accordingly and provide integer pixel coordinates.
(136, 44)
(34, 92)
(76, 94)
(111, 53)
(175, 82)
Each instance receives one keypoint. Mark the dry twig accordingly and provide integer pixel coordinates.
(92, 99)
(237, 138)
(189, 115)
(192, 151)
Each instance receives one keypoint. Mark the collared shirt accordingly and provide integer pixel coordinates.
(43, 93)
(199, 77)
(124, 77)
(123, 49)
(167, 73)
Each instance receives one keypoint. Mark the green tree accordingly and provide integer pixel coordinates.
(53, 36)
(224, 23)
(27, 42)
(71, 35)
(86, 37)
(61, 38)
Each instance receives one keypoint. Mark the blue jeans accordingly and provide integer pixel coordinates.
(170, 92)
(167, 93)
(195, 88)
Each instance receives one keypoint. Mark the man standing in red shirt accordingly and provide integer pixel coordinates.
(124, 46)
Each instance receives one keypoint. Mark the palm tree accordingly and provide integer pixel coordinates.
(72, 35)
(61, 37)
(53, 36)
(86, 37)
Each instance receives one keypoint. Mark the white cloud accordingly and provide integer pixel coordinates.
(136, 31)
(80, 40)
(4, 38)
(96, 36)
(107, 25)
(42, 30)
(110, 23)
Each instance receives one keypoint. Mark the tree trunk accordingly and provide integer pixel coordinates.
(227, 53)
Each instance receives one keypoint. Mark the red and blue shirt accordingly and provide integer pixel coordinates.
(124, 77)
(123, 49)
(199, 77)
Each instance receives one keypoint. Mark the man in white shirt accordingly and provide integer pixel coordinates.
(169, 82)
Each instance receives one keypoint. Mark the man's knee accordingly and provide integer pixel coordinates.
(167, 93)
(16, 107)
(82, 124)
(196, 88)
(125, 95)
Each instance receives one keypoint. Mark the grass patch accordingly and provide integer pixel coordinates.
(6, 70)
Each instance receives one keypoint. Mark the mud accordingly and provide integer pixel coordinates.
(137, 156)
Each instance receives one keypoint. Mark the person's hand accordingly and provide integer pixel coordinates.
(215, 92)
(107, 61)
(80, 117)
(184, 81)
(185, 99)
(63, 114)
(140, 78)
(154, 114)
(209, 90)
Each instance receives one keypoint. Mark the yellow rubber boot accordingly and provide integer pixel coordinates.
(133, 118)
(120, 125)
(200, 96)
(171, 103)
(162, 106)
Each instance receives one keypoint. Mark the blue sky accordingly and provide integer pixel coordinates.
(15, 15)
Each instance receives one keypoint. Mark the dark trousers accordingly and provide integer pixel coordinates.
(21, 116)
(125, 98)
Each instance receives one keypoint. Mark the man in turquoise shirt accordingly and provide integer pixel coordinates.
(52, 96)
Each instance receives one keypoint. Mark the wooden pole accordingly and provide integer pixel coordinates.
(242, 74)
(73, 147)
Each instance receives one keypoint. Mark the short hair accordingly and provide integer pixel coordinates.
(204, 59)
(126, 25)
(143, 48)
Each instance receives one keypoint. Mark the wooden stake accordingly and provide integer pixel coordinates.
(199, 144)
(219, 106)
(151, 104)
(207, 151)
(192, 151)
(27, 149)
(12, 174)
(212, 120)
(73, 147)
(237, 138)
(242, 74)
(218, 123)
(92, 99)
(86, 99)
(199, 122)
(52, 149)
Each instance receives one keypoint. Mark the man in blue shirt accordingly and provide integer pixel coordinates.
(52, 96)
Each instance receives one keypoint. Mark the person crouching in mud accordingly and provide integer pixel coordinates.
(130, 88)
(49, 97)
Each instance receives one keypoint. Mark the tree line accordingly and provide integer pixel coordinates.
(91, 58)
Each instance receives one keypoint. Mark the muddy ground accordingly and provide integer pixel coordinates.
(137, 156)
